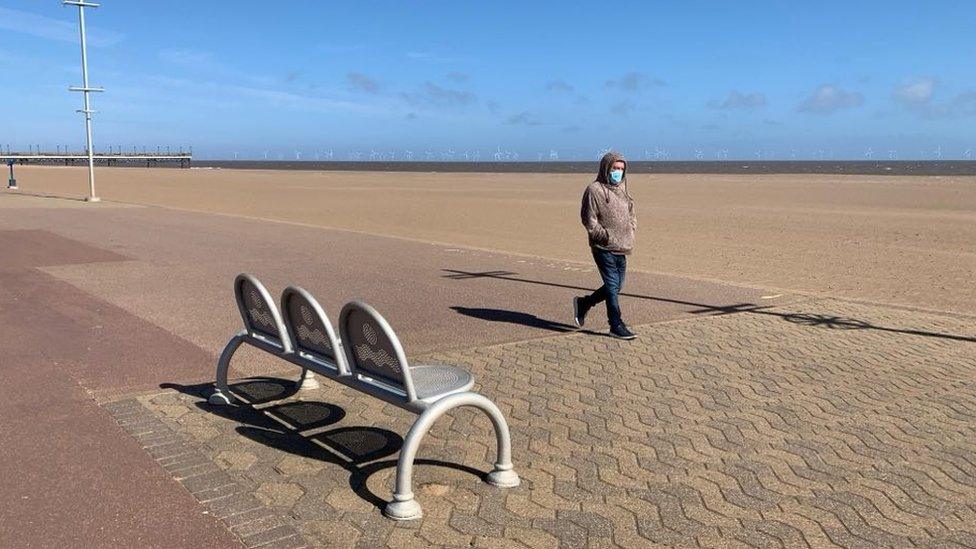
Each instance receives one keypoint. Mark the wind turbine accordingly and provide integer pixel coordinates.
(967, 154)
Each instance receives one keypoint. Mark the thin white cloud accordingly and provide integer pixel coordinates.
(523, 118)
(359, 82)
(559, 86)
(186, 57)
(29, 63)
(298, 101)
(428, 57)
(206, 63)
(634, 81)
(221, 93)
(919, 96)
(624, 107)
(828, 99)
(963, 104)
(55, 29)
(433, 95)
(340, 48)
(208, 74)
(915, 92)
(736, 100)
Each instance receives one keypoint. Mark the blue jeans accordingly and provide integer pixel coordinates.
(613, 268)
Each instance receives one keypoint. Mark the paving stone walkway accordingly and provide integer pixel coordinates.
(818, 423)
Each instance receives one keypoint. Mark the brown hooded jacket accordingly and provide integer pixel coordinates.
(607, 210)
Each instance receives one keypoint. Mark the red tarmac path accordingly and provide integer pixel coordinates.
(70, 476)
(101, 300)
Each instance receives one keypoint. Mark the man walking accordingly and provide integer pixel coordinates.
(608, 215)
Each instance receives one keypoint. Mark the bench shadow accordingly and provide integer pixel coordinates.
(265, 389)
(813, 320)
(296, 427)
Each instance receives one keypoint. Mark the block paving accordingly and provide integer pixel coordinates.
(817, 423)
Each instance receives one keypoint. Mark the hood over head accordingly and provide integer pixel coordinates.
(603, 176)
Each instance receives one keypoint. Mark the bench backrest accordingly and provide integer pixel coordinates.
(258, 310)
(310, 329)
(374, 353)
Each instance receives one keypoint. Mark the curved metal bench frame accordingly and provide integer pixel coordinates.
(404, 506)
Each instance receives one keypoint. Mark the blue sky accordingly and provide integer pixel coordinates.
(676, 80)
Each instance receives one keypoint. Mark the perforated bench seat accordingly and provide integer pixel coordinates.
(436, 381)
(368, 357)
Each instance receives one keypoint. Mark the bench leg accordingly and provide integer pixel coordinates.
(307, 380)
(404, 506)
(222, 395)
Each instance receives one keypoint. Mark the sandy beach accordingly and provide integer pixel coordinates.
(897, 240)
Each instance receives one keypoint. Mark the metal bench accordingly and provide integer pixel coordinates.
(368, 358)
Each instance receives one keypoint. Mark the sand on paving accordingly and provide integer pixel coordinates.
(902, 240)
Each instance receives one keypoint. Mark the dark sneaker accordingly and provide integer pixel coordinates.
(579, 311)
(622, 332)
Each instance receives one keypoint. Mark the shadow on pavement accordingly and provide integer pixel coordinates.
(296, 427)
(825, 321)
(514, 317)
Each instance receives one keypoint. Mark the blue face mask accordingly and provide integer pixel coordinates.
(616, 176)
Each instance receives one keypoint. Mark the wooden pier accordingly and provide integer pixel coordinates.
(151, 160)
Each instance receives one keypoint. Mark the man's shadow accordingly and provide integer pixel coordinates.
(300, 428)
(515, 317)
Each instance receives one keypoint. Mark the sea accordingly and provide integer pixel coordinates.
(839, 167)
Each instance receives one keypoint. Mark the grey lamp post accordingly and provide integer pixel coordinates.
(86, 89)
